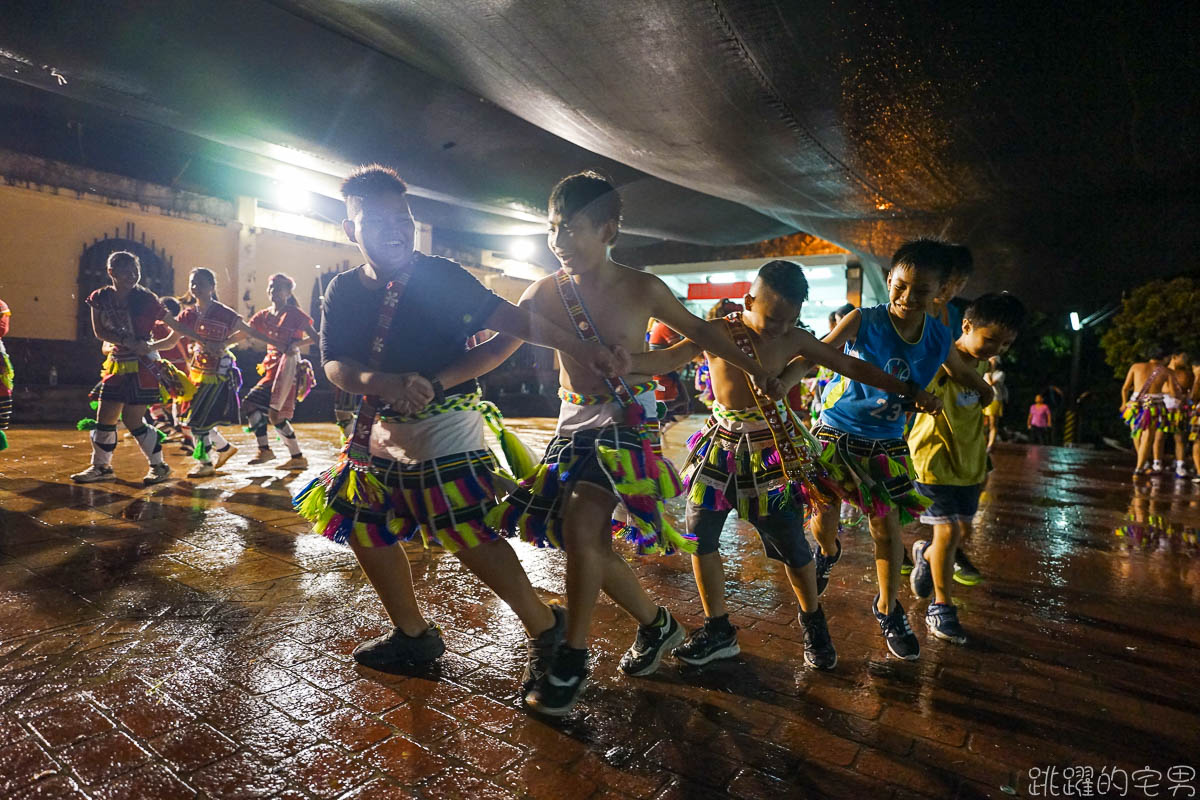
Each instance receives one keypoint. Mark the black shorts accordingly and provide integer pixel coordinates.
(781, 532)
(950, 503)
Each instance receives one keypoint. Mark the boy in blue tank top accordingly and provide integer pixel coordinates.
(864, 426)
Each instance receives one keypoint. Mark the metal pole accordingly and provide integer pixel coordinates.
(1069, 417)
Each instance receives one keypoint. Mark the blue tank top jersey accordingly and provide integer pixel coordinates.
(873, 413)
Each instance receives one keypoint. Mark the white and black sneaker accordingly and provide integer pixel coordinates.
(396, 651)
(157, 474)
(921, 578)
(942, 621)
(819, 652)
(558, 689)
(901, 640)
(541, 648)
(825, 566)
(715, 640)
(653, 640)
(93, 474)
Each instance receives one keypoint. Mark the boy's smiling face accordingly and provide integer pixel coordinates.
(910, 291)
(383, 228)
(578, 243)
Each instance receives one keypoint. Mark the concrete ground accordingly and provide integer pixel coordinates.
(194, 639)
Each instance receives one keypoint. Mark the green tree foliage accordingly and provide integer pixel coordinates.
(1155, 313)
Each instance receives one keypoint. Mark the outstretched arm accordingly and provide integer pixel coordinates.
(666, 359)
(844, 331)
(969, 377)
(666, 307)
(479, 360)
(862, 371)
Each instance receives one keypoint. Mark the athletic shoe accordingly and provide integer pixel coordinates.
(710, 642)
(558, 689)
(921, 578)
(394, 651)
(819, 652)
(157, 474)
(225, 455)
(1196, 479)
(825, 566)
(942, 621)
(265, 456)
(295, 462)
(964, 571)
(202, 470)
(93, 474)
(644, 656)
(901, 640)
(541, 648)
(906, 564)
(1180, 471)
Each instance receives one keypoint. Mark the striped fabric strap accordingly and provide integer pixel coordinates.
(773, 413)
(576, 399)
(582, 321)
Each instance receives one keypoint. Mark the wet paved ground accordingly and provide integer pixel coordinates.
(194, 638)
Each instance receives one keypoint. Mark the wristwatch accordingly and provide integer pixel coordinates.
(439, 391)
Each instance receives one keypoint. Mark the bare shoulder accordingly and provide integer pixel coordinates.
(637, 278)
(535, 293)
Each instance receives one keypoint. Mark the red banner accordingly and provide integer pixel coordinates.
(716, 291)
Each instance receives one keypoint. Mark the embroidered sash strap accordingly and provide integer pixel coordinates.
(576, 399)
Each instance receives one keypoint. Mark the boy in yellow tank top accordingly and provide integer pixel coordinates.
(949, 453)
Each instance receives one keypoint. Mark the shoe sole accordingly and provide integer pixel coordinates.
(673, 641)
(109, 477)
(945, 637)
(725, 652)
(912, 657)
(967, 581)
(816, 666)
(156, 481)
(562, 711)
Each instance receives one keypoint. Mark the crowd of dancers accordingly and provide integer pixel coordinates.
(1160, 400)
(898, 430)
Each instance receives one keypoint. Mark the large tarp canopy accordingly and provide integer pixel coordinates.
(1058, 140)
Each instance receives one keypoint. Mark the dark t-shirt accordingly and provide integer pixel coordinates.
(442, 306)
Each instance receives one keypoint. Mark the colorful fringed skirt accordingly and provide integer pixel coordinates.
(140, 382)
(737, 466)
(216, 399)
(6, 392)
(1145, 413)
(286, 380)
(876, 475)
(619, 458)
(1193, 425)
(444, 500)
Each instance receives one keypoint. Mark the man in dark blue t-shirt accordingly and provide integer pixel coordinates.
(427, 446)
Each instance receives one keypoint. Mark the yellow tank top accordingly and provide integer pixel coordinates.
(951, 448)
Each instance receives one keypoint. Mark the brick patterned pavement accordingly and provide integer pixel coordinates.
(193, 639)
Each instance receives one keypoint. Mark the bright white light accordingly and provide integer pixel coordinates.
(818, 273)
(1076, 325)
(292, 197)
(723, 277)
(521, 249)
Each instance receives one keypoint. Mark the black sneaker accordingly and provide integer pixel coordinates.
(394, 651)
(646, 653)
(942, 621)
(715, 640)
(819, 652)
(964, 571)
(825, 566)
(906, 565)
(557, 690)
(541, 648)
(896, 631)
(921, 578)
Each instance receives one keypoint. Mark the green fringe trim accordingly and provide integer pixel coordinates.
(3, 441)
(95, 404)
(86, 424)
(162, 436)
(200, 452)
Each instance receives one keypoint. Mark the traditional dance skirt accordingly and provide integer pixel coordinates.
(141, 381)
(733, 462)
(876, 475)
(1144, 412)
(286, 380)
(218, 381)
(6, 392)
(620, 458)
